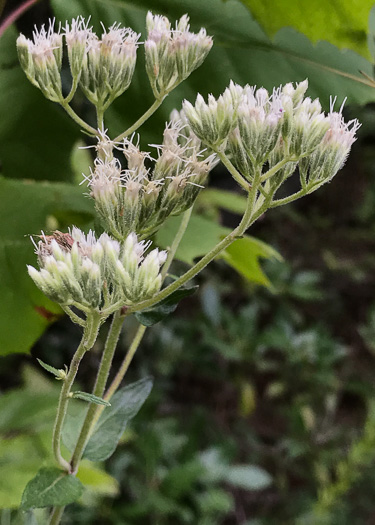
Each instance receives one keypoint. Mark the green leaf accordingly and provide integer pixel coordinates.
(90, 398)
(202, 235)
(226, 200)
(96, 480)
(36, 136)
(343, 24)
(242, 52)
(26, 208)
(164, 308)
(249, 477)
(243, 255)
(51, 487)
(124, 406)
(50, 369)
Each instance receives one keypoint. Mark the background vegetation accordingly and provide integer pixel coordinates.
(263, 406)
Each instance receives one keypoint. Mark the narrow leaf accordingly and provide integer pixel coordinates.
(111, 425)
(90, 398)
(51, 487)
(153, 315)
(55, 371)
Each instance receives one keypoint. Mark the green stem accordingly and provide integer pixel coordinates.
(233, 171)
(100, 117)
(76, 118)
(140, 121)
(126, 362)
(276, 168)
(74, 317)
(176, 242)
(56, 515)
(141, 329)
(88, 339)
(290, 198)
(101, 380)
(198, 267)
(73, 89)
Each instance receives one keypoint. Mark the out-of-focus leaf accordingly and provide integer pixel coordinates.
(243, 255)
(124, 406)
(241, 52)
(36, 136)
(202, 235)
(27, 208)
(343, 24)
(97, 480)
(227, 200)
(51, 487)
(249, 477)
(164, 308)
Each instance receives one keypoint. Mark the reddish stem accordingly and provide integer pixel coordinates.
(16, 14)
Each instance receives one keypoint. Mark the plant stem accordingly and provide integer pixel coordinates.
(233, 171)
(140, 121)
(14, 15)
(276, 168)
(176, 241)
(76, 118)
(88, 339)
(198, 267)
(56, 515)
(100, 383)
(73, 316)
(100, 118)
(141, 329)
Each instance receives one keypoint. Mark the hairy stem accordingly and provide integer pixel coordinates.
(100, 383)
(126, 362)
(142, 329)
(88, 339)
(151, 110)
(56, 515)
(77, 119)
(233, 171)
(200, 265)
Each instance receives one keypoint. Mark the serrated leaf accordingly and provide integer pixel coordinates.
(164, 308)
(90, 398)
(51, 487)
(50, 368)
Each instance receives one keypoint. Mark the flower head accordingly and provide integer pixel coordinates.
(172, 54)
(90, 273)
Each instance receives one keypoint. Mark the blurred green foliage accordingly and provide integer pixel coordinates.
(262, 410)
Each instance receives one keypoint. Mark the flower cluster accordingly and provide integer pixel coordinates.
(102, 67)
(172, 54)
(139, 198)
(279, 130)
(98, 274)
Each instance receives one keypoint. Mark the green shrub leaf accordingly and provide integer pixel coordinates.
(51, 487)
(90, 398)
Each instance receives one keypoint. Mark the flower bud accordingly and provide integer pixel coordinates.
(212, 122)
(172, 55)
(41, 60)
(108, 65)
